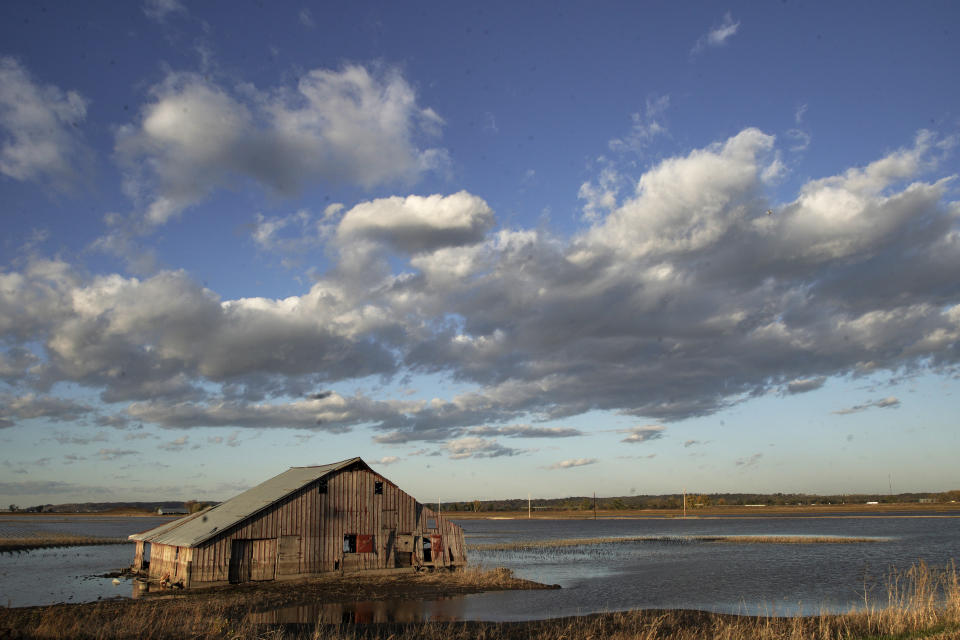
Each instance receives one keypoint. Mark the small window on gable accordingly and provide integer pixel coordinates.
(322, 486)
(431, 523)
(378, 488)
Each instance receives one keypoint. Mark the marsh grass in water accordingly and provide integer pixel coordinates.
(920, 602)
(50, 540)
(575, 542)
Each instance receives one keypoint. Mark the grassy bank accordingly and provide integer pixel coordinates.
(921, 602)
(26, 543)
(573, 542)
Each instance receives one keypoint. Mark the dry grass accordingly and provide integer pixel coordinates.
(921, 602)
(574, 542)
(47, 540)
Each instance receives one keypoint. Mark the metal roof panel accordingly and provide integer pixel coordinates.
(193, 530)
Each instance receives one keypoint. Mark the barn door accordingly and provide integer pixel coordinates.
(263, 565)
(288, 556)
(253, 560)
(241, 556)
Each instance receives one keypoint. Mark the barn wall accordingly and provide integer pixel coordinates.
(170, 561)
(309, 529)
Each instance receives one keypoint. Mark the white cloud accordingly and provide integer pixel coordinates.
(416, 224)
(643, 434)
(576, 462)
(385, 460)
(687, 204)
(159, 9)
(306, 18)
(647, 124)
(805, 384)
(718, 35)
(40, 138)
(641, 313)
(527, 431)
(470, 447)
(351, 126)
(884, 403)
(31, 406)
(176, 444)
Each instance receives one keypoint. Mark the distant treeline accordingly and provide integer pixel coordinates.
(675, 501)
(190, 506)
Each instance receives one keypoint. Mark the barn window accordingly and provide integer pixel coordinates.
(378, 488)
(322, 487)
(431, 523)
(353, 543)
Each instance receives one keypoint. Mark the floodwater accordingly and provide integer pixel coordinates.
(67, 574)
(783, 579)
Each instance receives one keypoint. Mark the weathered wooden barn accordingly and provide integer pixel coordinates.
(307, 520)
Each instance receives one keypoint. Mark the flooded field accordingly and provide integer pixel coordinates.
(671, 569)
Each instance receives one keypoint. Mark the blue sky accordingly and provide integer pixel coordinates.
(554, 248)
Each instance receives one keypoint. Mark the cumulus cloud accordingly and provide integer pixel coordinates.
(643, 434)
(718, 35)
(527, 431)
(884, 403)
(350, 125)
(31, 406)
(647, 124)
(385, 460)
(576, 462)
(38, 123)
(682, 299)
(417, 224)
(470, 447)
(805, 384)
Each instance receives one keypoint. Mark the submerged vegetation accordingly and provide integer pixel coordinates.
(920, 602)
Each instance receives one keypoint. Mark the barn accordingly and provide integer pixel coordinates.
(306, 521)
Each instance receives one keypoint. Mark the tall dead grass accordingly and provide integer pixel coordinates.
(920, 602)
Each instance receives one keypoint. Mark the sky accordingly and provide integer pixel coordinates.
(493, 248)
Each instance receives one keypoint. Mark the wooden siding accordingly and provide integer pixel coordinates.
(307, 528)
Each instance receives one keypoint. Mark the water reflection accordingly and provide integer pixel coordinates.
(445, 610)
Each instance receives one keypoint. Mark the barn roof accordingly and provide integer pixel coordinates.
(200, 527)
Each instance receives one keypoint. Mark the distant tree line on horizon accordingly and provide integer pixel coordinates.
(694, 501)
(578, 503)
(190, 506)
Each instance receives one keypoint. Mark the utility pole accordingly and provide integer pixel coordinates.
(528, 506)
(684, 502)
(594, 505)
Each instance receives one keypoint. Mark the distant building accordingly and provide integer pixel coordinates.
(306, 521)
(163, 511)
